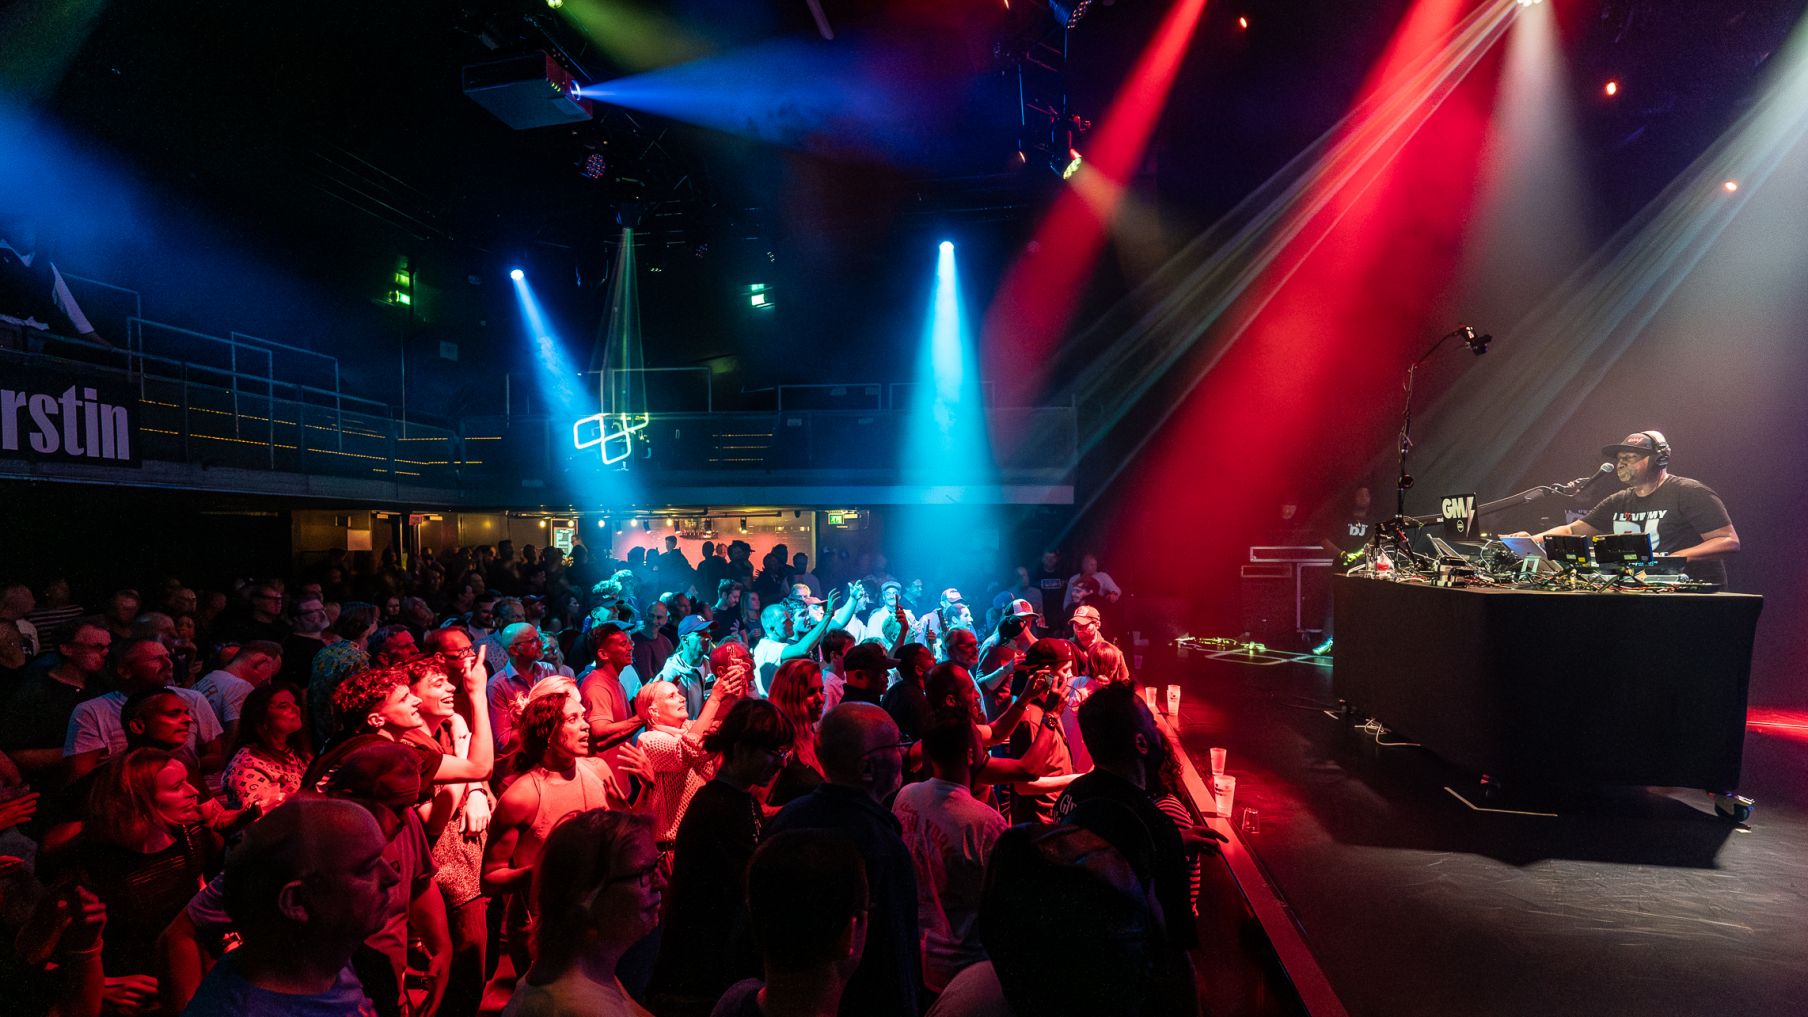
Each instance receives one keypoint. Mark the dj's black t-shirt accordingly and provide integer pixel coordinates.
(1675, 516)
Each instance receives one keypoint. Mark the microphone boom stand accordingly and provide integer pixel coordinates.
(1395, 528)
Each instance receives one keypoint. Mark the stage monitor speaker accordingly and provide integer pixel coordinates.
(1270, 601)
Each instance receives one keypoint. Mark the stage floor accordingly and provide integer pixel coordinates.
(1638, 901)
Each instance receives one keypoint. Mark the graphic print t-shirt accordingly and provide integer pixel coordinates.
(1674, 516)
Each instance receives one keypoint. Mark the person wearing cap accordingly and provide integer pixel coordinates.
(1684, 518)
(1103, 660)
(688, 666)
(1003, 649)
(1058, 660)
(949, 613)
(1089, 576)
(891, 604)
(867, 669)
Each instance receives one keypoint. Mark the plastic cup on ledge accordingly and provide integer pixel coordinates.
(1174, 700)
(1219, 758)
(1149, 697)
(1224, 788)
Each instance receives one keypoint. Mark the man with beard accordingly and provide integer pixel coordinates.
(1684, 518)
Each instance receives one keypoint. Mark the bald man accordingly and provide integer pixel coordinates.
(304, 888)
(508, 688)
(861, 755)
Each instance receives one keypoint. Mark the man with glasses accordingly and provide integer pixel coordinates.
(265, 622)
(863, 758)
(36, 717)
(509, 686)
(688, 667)
(1684, 518)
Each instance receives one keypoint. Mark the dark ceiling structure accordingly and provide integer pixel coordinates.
(327, 142)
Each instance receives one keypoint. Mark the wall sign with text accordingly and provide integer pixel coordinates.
(65, 415)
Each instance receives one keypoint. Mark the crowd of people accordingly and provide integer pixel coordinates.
(555, 784)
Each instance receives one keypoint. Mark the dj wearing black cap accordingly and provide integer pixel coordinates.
(1683, 517)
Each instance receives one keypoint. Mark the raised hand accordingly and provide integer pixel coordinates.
(632, 759)
(475, 669)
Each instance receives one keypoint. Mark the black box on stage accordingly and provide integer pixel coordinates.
(1270, 600)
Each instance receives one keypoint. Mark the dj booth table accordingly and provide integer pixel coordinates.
(1557, 687)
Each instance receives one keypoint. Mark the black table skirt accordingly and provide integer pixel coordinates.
(1572, 688)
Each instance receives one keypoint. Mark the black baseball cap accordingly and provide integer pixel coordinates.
(868, 657)
(1642, 443)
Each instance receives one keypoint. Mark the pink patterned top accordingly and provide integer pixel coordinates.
(257, 776)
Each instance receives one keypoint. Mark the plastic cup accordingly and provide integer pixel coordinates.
(1252, 822)
(1219, 757)
(1174, 700)
(1224, 788)
(1149, 697)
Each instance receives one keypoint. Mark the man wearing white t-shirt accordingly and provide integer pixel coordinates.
(884, 622)
(777, 648)
(95, 730)
(950, 836)
(255, 664)
(1089, 576)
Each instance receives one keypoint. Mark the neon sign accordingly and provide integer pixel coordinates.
(611, 433)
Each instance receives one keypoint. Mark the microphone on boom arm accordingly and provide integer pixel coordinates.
(1581, 485)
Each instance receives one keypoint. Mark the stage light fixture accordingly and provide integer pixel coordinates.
(555, 4)
(1528, 3)
(1243, 23)
(1730, 186)
(1066, 164)
(517, 274)
(947, 247)
(1611, 89)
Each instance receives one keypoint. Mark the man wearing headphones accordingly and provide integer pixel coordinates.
(1683, 517)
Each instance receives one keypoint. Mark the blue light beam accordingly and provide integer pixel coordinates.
(945, 431)
(556, 375)
(900, 103)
